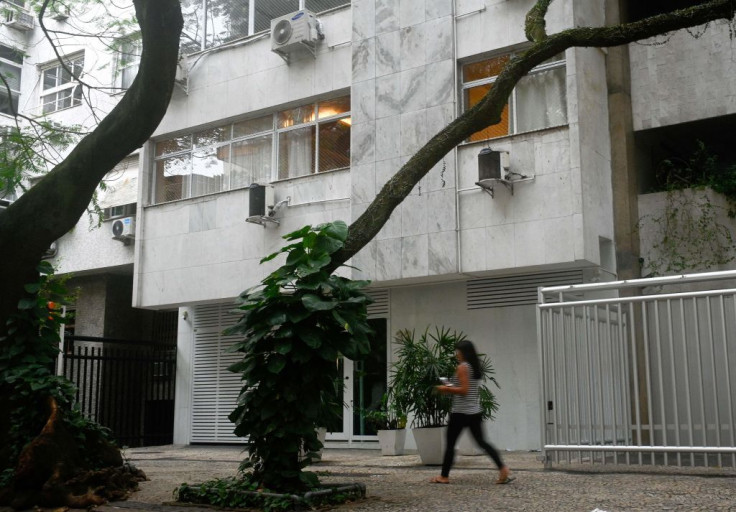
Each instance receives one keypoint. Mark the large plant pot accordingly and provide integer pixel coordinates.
(392, 441)
(321, 434)
(430, 444)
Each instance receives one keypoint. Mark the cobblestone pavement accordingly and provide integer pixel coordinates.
(402, 483)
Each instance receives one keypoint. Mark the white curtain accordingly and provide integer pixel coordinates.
(296, 152)
(541, 100)
(251, 162)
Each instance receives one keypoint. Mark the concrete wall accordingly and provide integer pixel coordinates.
(507, 335)
(686, 79)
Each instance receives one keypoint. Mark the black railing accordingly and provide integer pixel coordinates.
(127, 386)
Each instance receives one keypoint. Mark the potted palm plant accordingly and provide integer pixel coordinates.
(390, 424)
(421, 362)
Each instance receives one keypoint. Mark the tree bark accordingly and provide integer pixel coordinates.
(54, 205)
(488, 111)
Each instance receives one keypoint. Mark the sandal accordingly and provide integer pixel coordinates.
(506, 480)
(503, 476)
(439, 480)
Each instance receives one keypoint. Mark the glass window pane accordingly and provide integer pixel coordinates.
(166, 147)
(127, 76)
(49, 103)
(472, 97)
(323, 5)
(334, 145)
(541, 100)
(484, 69)
(296, 152)
(251, 161)
(11, 54)
(11, 74)
(76, 67)
(226, 21)
(8, 105)
(172, 179)
(212, 136)
(334, 107)
(208, 170)
(49, 78)
(192, 34)
(295, 116)
(266, 10)
(251, 126)
(66, 77)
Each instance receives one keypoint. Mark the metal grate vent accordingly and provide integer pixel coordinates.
(380, 304)
(499, 292)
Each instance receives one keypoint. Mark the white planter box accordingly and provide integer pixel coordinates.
(392, 441)
(430, 444)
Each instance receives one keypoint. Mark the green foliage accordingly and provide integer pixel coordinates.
(387, 416)
(244, 492)
(689, 235)
(295, 327)
(421, 362)
(27, 371)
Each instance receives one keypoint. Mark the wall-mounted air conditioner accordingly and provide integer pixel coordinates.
(123, 229)
(182, 73)
(17, 19)
(295, 32)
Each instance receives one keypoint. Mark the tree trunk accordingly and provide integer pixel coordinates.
(54, 205)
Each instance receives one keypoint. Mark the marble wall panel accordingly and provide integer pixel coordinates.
(414, 215)
(411, 12)
(388, 138)
(362, 143)
(413, 132)
(203, 215)
(363, 102)
(500, 249)
(413, 89)
(387, 16)
(364, 19)
(388, 95)
(438, 8)
(412, 44)
(442, 253)
(438, 43)
(363, 178)
(388, 259)
(441, 211)
(472, 250)
(364, 59)
(388, 49)
(414, 256)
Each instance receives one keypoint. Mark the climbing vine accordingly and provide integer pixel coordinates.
(693, 232)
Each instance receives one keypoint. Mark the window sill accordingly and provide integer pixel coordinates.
(512, 135)
(313, 175)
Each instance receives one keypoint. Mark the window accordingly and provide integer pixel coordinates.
(59, 87)
(538, 101)
(129, 58)
(305, 140)
(11, 62)
(210, 23)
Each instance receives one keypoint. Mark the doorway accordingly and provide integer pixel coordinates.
(365, 384)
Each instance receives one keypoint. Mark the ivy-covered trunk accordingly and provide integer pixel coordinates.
(296, 326)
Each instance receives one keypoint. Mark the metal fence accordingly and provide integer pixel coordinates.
(127, 386)
(639, 372)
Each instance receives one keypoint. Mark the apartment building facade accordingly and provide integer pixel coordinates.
(319, 102)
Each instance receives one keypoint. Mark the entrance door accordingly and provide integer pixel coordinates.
(365, 384)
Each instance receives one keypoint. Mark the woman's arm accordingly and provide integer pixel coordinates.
(463, 379)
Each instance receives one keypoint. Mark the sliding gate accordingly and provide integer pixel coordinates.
(640, 371)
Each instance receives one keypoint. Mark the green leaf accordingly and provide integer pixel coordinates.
(314, 303)
(27, 303)
(337, 229)
(33, 287)
(276, 364)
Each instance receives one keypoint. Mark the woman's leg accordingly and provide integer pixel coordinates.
(477, 431)
(454, 428)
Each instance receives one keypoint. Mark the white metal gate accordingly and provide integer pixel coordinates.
(639, 371)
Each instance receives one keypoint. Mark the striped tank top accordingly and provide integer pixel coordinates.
(470, 403)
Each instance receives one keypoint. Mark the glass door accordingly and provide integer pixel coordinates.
(365, 383)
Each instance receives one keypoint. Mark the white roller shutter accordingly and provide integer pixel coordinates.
(215, 389)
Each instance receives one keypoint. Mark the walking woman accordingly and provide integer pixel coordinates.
(466, 412)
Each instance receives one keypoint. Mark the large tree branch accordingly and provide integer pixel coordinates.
(488, 111)
(535, 26)
(54, 205)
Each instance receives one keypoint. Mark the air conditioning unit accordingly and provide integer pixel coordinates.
(17, 19)
(182, 73)
(295, 32)
(123, 229)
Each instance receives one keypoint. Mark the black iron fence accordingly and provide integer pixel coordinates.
(127, 386)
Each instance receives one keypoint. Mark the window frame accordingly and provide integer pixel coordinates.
(121, 65)
(14, 94)
(188, 139)
(512, 104)
(72, 85)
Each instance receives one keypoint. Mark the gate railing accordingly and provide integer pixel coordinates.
(127, 386)
(640, 371)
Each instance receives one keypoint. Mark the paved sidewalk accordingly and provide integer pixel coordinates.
(402, 483)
